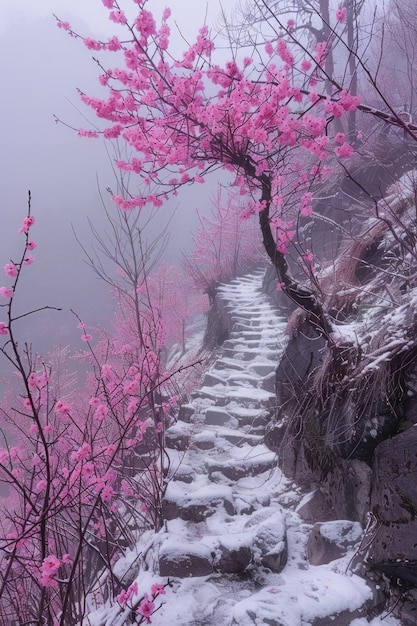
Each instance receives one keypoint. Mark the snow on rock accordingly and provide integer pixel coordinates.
(331, 540)
(300, 598)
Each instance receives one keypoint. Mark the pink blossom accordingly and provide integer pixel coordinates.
(107, 372)
(113, 44)
(31, 245)
(63, 25)
(87, 133)
(145, 24)
(284, 52)
(320, 52)
(94, 402)
(40, 486)
(146, 608)
(86, 337)
(166, 14)
(341, 15)
(87, 469)
(81, 453)
(10, 269)
(308, 257)
(290, 24)
(3, 328)
(110, 450)
(126, 488)
(124, 595)
(157, 589)
(101, 412)
(108, 3)
(107, 493)
(6, 292)
(344, 151)
(305, 65)
(26, 224)
(340, 138)
(92, 44)
(269, 48)
(62, 408)
(306, 209)
(48, 569)
(29, 260)
(4, 456)
(118, 17)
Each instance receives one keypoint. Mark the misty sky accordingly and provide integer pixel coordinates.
(41, 66)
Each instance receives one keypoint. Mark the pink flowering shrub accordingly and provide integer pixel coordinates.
(85, 465)
(226, 243)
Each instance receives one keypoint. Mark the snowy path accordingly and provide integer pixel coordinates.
(234, 544)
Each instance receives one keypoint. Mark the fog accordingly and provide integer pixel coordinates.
(41, 66)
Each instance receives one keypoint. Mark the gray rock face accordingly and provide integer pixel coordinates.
(301, 357)
(393, 548)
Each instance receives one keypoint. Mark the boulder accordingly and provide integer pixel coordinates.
(232, 555)
(184, 561)
(329, 541)
(270, 539)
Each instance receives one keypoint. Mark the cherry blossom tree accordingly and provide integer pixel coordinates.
(186, 117)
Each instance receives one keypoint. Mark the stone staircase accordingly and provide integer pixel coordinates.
(231, 522)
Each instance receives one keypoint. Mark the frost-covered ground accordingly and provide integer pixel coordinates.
(232, 516)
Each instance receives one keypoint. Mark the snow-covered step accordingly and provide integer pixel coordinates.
(196, 501)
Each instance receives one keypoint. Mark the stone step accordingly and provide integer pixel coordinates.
(244, 379)
(218, 416)
(212, 378)
(236, 470)
(253, 417)
(194, 503)
(263, 368)
(259, 540)
(178, 436)
(237, 437)
(247, 354)
(231, 364)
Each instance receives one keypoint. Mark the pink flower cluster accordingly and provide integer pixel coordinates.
(341, 15)
(62, 407)
(10, 269)
(49, 569)
(26, 224)
(6, 292)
